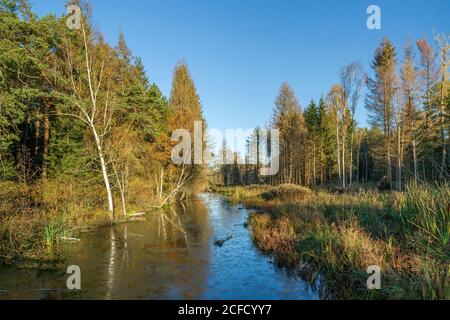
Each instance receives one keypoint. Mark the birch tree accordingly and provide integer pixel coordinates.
(337, 97)
(89, 70)
(352, 80)
(442, 42)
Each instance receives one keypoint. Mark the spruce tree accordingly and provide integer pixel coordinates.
(380, 100)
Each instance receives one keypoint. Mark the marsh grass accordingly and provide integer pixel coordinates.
(55, 229)
(426, 214)
(34, 219)
(339, 236)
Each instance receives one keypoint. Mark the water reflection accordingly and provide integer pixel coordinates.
(170, 255)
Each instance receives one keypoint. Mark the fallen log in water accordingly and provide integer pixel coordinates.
(136, 219)
(220, 243)
(70, 239)
(140, 214)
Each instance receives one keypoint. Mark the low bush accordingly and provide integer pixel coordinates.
(286, 192)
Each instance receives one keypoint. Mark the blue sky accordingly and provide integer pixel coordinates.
(240, 51)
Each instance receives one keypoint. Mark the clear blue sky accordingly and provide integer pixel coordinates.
(240, 51)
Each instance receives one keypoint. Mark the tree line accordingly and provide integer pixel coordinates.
(408, 101)
(74, 108)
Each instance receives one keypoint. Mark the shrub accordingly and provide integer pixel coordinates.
(286, 192)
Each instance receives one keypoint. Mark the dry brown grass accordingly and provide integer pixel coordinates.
(286, 193)
(339, 236)
(34, 218)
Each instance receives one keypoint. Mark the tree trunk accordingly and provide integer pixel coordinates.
(351, 160)
(414, 148)
(314, 164)
(442, 116)
(343, 161)
(122, 195)
(389, 162)
(338, 149)
(357, 159)
(37, 129)
(121, 184)
(46, 139)
(416, 171)
(104, 172)
(366, 158)
(399, 159)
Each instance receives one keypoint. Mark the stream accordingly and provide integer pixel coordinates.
(172, 255)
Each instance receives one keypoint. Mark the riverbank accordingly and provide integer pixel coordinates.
(36, 219)
(338, 236)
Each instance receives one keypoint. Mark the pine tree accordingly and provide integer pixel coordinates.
(288, 119)
(184, 110)
(380, 100)
(328, 140)
(410, 88)
(443, 92)
(429, 138)
(312, 120)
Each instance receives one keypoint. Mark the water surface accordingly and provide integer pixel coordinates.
(171, 255)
